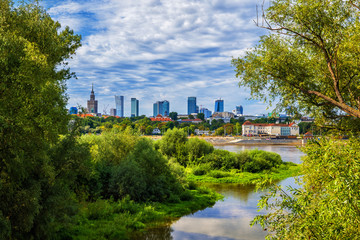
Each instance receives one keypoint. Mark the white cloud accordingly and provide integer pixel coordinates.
(157, 50)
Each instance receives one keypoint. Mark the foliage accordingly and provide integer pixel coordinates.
(197, 148)
(33, 183)
(309, 61)
(326, 206)
(108, 219)
(144, 175)
(173, 115)
(172, 144)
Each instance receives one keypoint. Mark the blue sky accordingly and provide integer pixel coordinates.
(159, 50)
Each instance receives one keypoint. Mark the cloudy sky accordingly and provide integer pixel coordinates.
(159, 50)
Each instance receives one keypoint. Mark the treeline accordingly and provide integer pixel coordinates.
(144, 125)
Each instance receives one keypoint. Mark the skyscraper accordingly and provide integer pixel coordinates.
(134, 107)
(206, 112)
(119, 101)
(239, 110)
(161, 107)
(219, 105)
(191, 105)
(92, 104)
(113, 112)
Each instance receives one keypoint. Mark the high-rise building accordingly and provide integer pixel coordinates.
(134, 107)
(113, 112)
(206, 112)
(238, 110)
(119, 101)
(219, 105)
(161, 107)
(191, 105)
(73, 110)
(92, 104)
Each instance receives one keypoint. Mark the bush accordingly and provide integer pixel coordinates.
(197, 148)
(262, 160)
(144, 175)
(218, 174)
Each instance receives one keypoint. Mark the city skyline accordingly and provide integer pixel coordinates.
(155, 50)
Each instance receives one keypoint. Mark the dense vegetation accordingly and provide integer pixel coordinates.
(309, 63)
(327, 204)
(204, 163)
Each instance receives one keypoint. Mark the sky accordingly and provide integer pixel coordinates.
(157, 50)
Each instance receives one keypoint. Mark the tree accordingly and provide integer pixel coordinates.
(201, 116)
(191, 116)
(33, 70)
(173, 115)
(327, 204)
(309, 61)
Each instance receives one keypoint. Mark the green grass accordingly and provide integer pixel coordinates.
(106, 219)
(235, 176)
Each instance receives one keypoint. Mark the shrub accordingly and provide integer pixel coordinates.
(197, 148)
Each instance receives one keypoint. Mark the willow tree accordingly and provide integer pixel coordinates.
(33, 58)
(310, 60)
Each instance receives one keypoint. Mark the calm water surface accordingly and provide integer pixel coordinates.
(228, 219)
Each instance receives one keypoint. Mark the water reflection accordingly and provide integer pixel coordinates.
(228, 219)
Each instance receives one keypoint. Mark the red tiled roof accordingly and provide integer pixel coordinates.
(85, 115)
(191, 120)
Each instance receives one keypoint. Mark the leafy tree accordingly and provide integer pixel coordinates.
(201, 116)
(309, 61)
(173, 115)
(191, 116)
(33, 58)
(327, 204)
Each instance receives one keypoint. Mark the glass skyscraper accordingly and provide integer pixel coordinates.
(219, 105)
(239, 110)
(134, 107)
(161, 107)
(206, 112)
(191, 105)
(119, 101)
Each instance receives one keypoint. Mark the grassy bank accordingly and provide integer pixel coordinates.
(235, 176)
(107, 219)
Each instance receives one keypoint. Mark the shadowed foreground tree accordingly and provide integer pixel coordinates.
(33, 53)
(310, 60)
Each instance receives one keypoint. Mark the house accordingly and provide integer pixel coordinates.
(160, 118)
(156, 131)
(249, 128)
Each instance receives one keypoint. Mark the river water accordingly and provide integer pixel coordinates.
(228, 219)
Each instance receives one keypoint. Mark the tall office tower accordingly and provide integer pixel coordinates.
(219, 105)
(239, 110)
(206, 112)
(134, 107)
(113, 112)
(119, 101)
(92, 104)
(191, 105)
(161, 107)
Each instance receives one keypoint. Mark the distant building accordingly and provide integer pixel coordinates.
(134, 107)
(119, 101)
(160, 118)
(156, 131)
(92, 104)
(113, 112)
(196, 120)
(249, 128)
(191, 105)
(73, 110)
(207, 113)
(219, 105)
(238, 111)
(162, 108)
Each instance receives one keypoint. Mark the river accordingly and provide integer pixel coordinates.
(228, 219)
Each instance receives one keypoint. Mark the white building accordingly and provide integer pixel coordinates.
(249, 128)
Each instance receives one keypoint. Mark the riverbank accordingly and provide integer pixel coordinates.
(218, 141)
(286, 170)
(125, 219)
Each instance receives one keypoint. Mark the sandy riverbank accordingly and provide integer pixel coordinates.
(245, 141)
